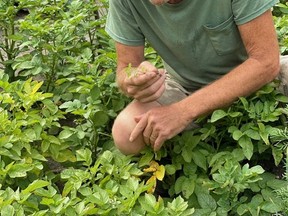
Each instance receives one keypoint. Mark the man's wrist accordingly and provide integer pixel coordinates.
(185, 111)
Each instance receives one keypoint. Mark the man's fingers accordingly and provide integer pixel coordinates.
(146, 66)
(152, 92)
(141, 78)
(139, 128)
(139, 83)
(145, 77)
(155, 96)
(158, 143)
(147, 133)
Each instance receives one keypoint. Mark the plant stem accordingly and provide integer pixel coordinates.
(1, 56)
(53, 68)
(91, 44)
(6, 44)
(12, 23)
(105, 134)
(286, 165)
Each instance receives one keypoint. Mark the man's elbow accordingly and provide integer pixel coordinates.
(275, 68)
(272, 68)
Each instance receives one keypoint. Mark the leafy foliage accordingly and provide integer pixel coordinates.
(220, 167)
(57, 104)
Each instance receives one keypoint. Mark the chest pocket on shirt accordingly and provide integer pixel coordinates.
(224, 37)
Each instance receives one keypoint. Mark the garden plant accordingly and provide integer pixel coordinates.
(58, 100)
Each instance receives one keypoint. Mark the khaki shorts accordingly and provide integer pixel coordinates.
(283, 75)
(173, 93)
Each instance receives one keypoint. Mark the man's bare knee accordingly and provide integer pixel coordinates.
(124, 125)
(121, 132)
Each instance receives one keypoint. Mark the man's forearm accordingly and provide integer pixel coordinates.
(120, 77)
(242, 81)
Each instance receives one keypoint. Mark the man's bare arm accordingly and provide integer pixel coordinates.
(127, 55)
(147, 84)
(261, 67)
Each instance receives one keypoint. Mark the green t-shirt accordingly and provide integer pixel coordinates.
(198, 40)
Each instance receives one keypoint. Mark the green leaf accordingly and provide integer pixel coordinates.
(7, 210)
(252, 134)
(106, 157)
(259, 107)
(257, 169)
(68, 96)
(191, 141)
(71, 105)
(187, 154)
(277, 184)
(146, 159)
(284, 10)
(235, 114)
(46, 193)
(87, 53)
(282, 98)
(36, 155)
(245, 103)
(217, 115)
(84, 155)
(255, 203)
(24, 65)
(36, 87)
(148, 203)
(19, 170)
(199, 159)
(178, 204)
(271, 207)
(219, 157)
(101, 197)
(189, 169)
(95, 93)
(277, 155)
(188, 187)
(35, 185)
(100, 118)
(65, 134)
(237, 134)
(79, 208)
(242, 209)
(133, 184)
(178, 184)
(247, 146)
(30, 134)
(263, 133)
(45, 145)
(206, 201)
(50, 106)
(85, 191)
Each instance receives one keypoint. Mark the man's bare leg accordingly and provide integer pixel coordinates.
(125, 123)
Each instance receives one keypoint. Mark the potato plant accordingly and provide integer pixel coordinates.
(58, 100)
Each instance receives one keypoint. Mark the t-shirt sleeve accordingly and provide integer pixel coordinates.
(121, 24)
(247, 10)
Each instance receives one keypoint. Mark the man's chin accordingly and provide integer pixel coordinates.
(158, 2)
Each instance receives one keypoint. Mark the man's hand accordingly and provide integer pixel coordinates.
(145, 83)
(159, 124)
